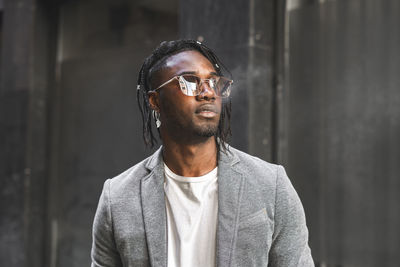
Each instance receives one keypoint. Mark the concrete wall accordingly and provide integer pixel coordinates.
(69, 118)
(242, 34)
(27, 49)
(343, 127)
(96, 125)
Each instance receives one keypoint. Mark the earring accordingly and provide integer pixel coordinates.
(156, 116)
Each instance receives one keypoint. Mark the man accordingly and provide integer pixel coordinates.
(196, 201)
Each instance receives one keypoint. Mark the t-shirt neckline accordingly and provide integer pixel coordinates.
(198, 179)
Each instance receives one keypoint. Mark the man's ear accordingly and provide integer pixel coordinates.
(154, 101)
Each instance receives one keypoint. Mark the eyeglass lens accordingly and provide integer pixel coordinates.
(191, 85)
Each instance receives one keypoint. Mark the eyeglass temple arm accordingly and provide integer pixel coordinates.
(167, 82)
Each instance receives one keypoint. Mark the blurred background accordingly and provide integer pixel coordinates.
(317, 89)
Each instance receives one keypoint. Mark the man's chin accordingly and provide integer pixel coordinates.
(206, 131)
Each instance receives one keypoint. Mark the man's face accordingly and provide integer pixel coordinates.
(187, 117)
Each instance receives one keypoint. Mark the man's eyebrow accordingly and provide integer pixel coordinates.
(195, 72)
(187, 72)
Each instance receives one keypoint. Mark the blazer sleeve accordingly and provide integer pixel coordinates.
(104, 251)
(290, 238)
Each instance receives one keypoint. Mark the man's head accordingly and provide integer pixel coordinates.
(186, 115)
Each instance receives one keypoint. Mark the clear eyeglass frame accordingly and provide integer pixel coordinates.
(191, 85)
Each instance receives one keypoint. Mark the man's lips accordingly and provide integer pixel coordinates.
(208, 110)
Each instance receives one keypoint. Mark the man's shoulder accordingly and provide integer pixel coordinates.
(257, 172)
(252, 163)
(127, 181)
(266, 179)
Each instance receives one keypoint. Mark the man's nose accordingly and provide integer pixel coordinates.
(206, 92)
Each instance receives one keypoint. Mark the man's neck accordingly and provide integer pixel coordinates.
(190, 160)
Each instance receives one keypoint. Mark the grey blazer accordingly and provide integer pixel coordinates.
(261, 220)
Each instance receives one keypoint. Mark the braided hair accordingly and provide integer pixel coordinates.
(154, 63)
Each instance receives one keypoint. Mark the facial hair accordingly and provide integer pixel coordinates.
(192, 132)
(205, 130)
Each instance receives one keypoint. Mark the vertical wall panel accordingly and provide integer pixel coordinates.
(96, 124)
(242, 35)
(26, 58)
(344, 127)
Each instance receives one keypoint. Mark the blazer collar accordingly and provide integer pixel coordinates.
(155, 160)
(225, 157)
(230, 184)
(154, 214)
(228, 157)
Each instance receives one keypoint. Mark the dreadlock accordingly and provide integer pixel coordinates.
(155, 62)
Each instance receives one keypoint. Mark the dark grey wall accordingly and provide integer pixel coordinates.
(343, 127)
(68, 117)
(28, 41)
(242, 35)
(96, 125)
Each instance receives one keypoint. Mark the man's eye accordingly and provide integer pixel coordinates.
(213, 81)
(191, 79)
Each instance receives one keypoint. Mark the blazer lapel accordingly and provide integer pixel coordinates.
(154, 215)
(230, 183)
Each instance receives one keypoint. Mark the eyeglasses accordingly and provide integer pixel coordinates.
(191, 85)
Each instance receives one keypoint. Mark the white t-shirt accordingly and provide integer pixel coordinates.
(192, 208)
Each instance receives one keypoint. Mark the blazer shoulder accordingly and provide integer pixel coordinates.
(125, 183)
(254, 164)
